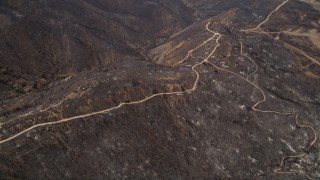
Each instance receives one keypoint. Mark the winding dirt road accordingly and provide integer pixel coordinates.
(258, 29)
(217, 36)
(268, 17)
(133, 102)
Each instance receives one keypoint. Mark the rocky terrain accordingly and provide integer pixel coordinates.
(159, 89)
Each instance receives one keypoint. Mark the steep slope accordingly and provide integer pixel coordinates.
(224, 98)
(53, 39)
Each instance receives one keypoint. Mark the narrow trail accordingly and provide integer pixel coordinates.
(268, 17)
(34, 111)
(289, 46)
(255, 64)
(192, 89)
(38, 109)
(258, 29)
(313, 35)
(215, 35)
(315, 137)
(254, 107)
(302, 53)
(189, 54)
(283, 160)
(192, 50)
